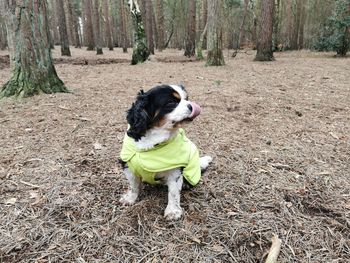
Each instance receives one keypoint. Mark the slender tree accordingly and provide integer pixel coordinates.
(3, 41)
(89, 30)
(123, 32)
(241, 28)
(190, 40)
(97, 27)
(140, 51)
(264, 45)
(215, 55)
(160, 23)
(108, 24)
(62, 26)
(148, 14)
(32, 68)
(74, 24)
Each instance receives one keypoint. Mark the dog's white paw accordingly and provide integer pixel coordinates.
(205, 161)
(172, 213)
(128, 198)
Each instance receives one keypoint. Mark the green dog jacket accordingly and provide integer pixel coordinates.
(178, 152)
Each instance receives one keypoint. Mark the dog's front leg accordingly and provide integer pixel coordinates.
(130, 197)
(174, 181)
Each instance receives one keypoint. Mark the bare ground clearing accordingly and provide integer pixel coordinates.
(279, 133)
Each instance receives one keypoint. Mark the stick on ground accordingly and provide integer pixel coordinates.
(274, 250)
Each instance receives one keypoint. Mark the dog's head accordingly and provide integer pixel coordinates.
(165, 107)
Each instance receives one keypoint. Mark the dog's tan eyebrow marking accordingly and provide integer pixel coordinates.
(177, 95)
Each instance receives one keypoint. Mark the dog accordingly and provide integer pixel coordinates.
(155, 148)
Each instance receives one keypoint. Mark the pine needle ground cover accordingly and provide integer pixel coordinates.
(278, 132)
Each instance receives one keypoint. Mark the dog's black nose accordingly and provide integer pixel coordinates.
(189, 106)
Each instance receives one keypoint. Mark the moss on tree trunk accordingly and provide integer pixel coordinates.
(32, 68)
(140, 51)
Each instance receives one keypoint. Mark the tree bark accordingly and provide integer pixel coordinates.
(62, 26)
(204, 22)
(264, 46)
(289, 34)
(140, 51)
(301, 27)
(190, 40)
(89, 31)
(160, 16)
(200, 43)
(54, 24)
(215, 55)
(149, 29)
(295, 35)
(97, 27)
(32, 68)
(241, 39)
(3, 35)
(123, 32)
(74, 24)
(108, 25)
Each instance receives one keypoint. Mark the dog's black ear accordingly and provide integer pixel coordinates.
(137, 117)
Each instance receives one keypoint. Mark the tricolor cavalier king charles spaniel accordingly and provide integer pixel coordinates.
(155, 148)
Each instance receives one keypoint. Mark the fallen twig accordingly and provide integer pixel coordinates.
(274, 250)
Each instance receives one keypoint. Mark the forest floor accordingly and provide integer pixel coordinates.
(279, 133)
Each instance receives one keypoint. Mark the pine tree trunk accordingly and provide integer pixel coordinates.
(241, 28)
(62, 26)
(97, 27)
(295, 35)
(289, 12)
(123, 33)
(89, 31)
(54, 24)
(3, 36)
(160, 16)
(149, 29)
(32, 68)
(73, 22)
(204, 22)
(200, 43)
(140, 51)
(215, 55)
(264, 46)
(190, 40)
(301, 27)
(108, 24)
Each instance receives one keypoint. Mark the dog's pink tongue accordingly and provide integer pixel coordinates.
(196, 110)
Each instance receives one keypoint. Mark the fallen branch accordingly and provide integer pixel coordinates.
(274, 250)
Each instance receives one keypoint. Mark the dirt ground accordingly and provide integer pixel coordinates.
(279, 133)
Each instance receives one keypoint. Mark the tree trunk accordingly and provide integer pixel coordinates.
(123, 32)
(89, 31)
(301, 27)
(108, 25)
(74, 24)
(289, 34)
(97, 27)
(32, 68)
(275, 34)
(160, 16)
(62, 26)
(295, 35)
(149, 29)
(140, 51)
(3, 36)
(200, 43)
(190, 40)
(54, 24)
(241, 39)
(215, 55)
(264, 47)
(204, 22)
